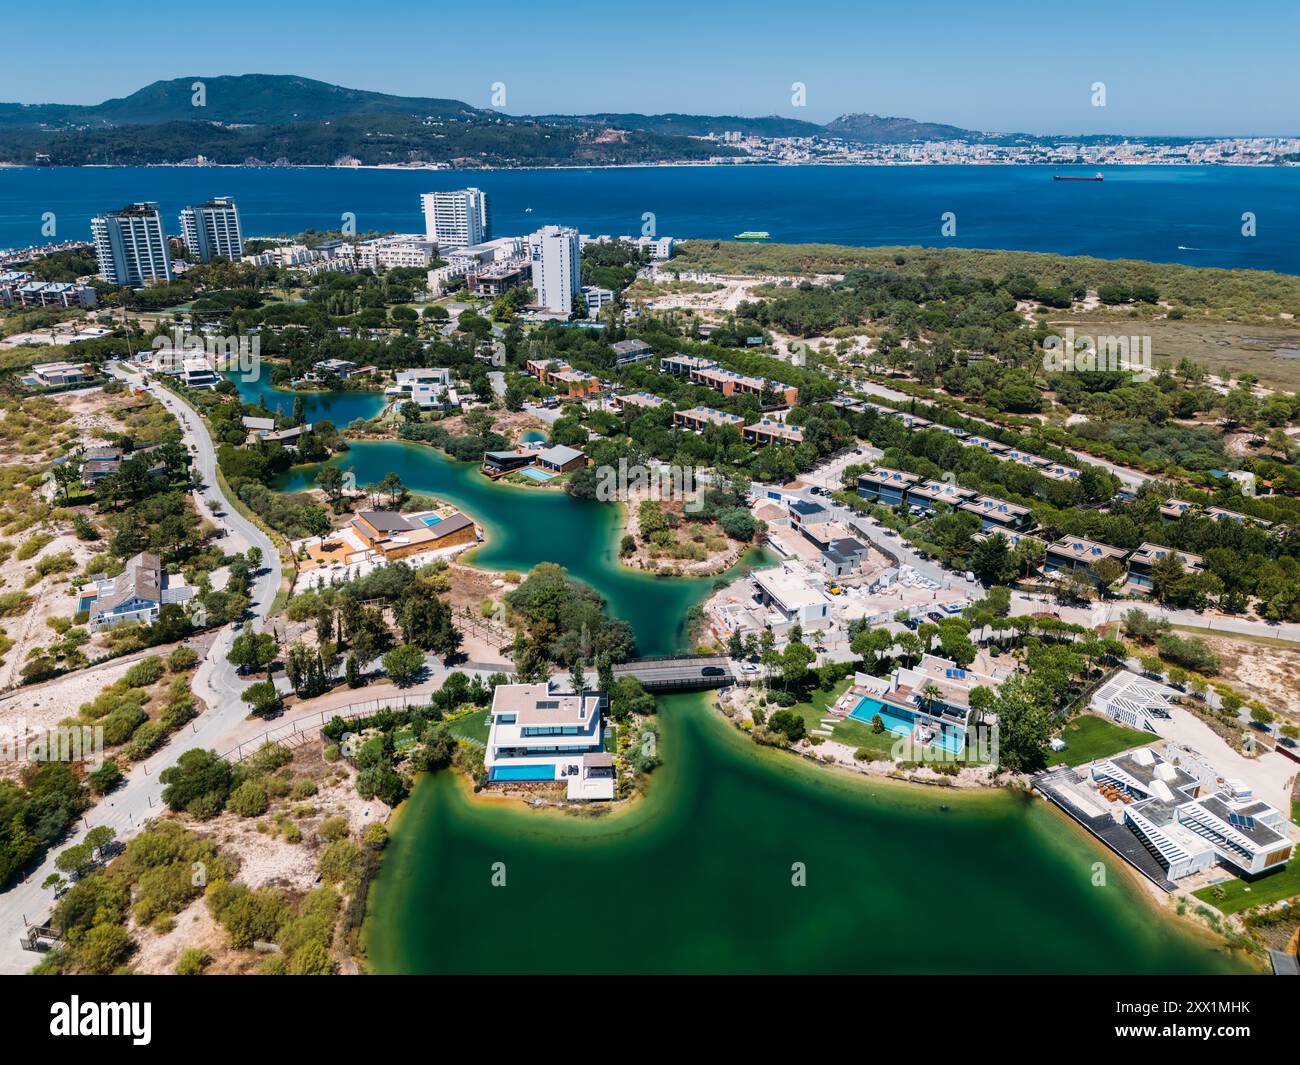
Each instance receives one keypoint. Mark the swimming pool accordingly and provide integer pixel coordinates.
(900, 723)
(538, 475)
(431, 519)
(522, 772)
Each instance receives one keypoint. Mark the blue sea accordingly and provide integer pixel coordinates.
(1189, 215)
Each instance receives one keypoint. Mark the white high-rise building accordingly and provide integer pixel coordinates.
(456, 219)
(131, 245)
(211, 229)
(557, 267)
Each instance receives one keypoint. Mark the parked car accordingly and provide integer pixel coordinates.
(934, 615)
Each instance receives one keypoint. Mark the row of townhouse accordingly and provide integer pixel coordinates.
(1176, 509)
(892, 488)
(710, 373)
(19, 289)
(760, 433)
(557, 374)
(1057, 471)
(1074, 554)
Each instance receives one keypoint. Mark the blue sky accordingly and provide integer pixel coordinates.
(1195, 67)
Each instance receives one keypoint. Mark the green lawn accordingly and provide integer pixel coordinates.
(851, 733)
(1239, 895)
(1088, 737)
(472, 727)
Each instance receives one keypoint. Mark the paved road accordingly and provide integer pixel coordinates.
(215, 683)
(678, 672)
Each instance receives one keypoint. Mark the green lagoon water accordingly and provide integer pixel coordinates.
(697, 875)
(524, 526)
(697, 878)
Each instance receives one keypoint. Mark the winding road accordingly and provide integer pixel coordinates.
(216, 684)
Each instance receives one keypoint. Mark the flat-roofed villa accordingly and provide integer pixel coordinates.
(1012, 537)
(790, 599)
(639, 400)
(58, 374)
(912, 421)
(700, 418)
(138, 593)
(1173, 509)
(1058, 472)
(498, 463)
(1186, 830)
(887, 486)
(1074, 554)
(766, 431)
(539, 734)
(681, 365)
(1146, 556)
(1221, 514)
(1135, 701)
(627, 352)
(928, 703)
(928, 494)
(997, 515)
(985, 443)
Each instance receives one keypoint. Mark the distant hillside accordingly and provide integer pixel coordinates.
(877, 129)
(262, 99)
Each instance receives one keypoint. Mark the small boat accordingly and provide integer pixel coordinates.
(753, 234)
(1098, 176)
(528, 210)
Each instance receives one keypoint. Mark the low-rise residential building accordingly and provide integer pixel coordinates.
(59, 374)
(560, 459)
(596, 299)
(1173, 509)
(700, 418)
(393, 535)
(983, 442)
(767, 431)
(637, 400)
(430, 387)
(137, 594)
(997, 515)
(563, 378)
(1221, 514)
(886, 486)
(929, 494)
(539, 734)
(1134, 701)
(340, 368)
(793, 600)
(730, 383)
(498, 463)
(627, 352)
(683, 365)
(1074, 554)
(1146, 556)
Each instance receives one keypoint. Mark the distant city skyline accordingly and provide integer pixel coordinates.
(1201, 69)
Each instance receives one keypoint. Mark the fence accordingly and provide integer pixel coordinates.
(301, 729)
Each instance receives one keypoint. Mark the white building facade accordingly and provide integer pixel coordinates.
(131, 246)
(557, 267)
(456, 219)
(212, 229)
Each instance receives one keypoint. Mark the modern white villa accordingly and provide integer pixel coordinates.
(1185, 831)
(538, 733)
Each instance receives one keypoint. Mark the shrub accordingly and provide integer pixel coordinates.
(193, 961)
(248, 800)
(145, 672)
(181, 659)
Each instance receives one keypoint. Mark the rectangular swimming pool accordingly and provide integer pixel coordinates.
(901, 723)
(522, 772)
(431, 519)
(538, 475)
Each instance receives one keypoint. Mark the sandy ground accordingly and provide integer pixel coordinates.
(511, 424)
(51, 597)
(1259, 671)
(265, 859)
